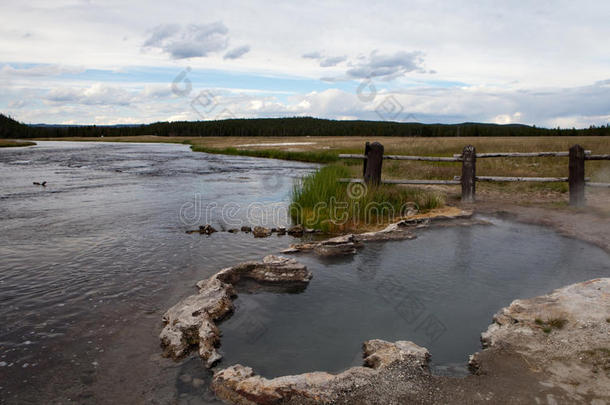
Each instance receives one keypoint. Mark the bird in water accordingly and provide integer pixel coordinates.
(44, 183)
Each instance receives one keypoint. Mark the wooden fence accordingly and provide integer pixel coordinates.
(373, 158)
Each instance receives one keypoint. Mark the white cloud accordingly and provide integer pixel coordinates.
(238, 52)
(191, 41)
(40, 70)
(96, 94)
(324, 61)
(504, 119)
(387, 66)
(550, 106)
(332, 61)
(312, 55)
(503, 69)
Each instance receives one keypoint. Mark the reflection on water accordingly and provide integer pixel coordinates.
(439, 290)
(90, 262)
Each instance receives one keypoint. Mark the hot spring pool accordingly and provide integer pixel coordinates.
(439, 290)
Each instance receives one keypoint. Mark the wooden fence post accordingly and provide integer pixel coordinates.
(374, 159)
(469, 160)
(576, 177)
(367, 148)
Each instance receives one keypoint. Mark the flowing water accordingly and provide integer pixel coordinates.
(89, 263)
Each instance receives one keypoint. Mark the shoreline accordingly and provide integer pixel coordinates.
(5, 143)
(525, 353)
(538, 207)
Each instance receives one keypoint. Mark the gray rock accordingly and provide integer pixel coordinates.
(207, 229)
(261, 232)
(240, 385)
(340, 245)
(191, 322)
(563, 327)
(296, 230)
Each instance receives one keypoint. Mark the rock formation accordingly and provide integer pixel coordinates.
(240, 385)
(401, 230)
(565, 334)
(191, 322)
(261, 232)
(548, 349)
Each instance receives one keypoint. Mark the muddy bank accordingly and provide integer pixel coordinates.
(589, 225)
(549, 349)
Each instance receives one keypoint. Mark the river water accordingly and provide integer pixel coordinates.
(90, 262)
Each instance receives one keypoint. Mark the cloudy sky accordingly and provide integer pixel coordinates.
(113, 62)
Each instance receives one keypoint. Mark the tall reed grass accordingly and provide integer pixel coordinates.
(319, 201)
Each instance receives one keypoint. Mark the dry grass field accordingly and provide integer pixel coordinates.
(326, 149)
(5, 143)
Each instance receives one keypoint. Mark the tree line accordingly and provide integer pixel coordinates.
(296, 126)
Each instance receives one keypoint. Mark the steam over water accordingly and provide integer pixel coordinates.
(89, 264)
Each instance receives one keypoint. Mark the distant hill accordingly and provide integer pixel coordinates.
(10, 128)
(80, 125)
(296, 126)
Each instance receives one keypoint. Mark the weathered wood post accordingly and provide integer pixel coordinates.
(469, 160)
(374, 158)
(367, 147)
(576, 177)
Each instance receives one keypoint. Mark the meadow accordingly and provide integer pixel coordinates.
(5, 143)
(326, 150)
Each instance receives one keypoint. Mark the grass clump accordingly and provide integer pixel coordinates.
(557, 323)
(301, 156)
(550, 324)
(320, 201)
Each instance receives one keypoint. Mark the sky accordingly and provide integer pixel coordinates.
(544, 63)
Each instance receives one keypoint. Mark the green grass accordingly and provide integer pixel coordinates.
(305, 156)
(319, 201)
(549, 325)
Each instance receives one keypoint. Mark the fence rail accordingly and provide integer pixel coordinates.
(403, 157)
(522, 154)
(389, 181)
(373, 158)
(597, 157)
